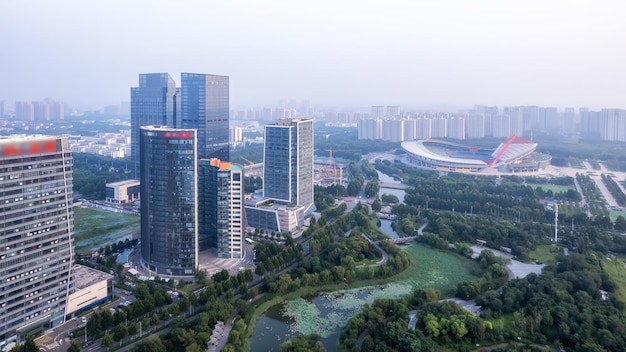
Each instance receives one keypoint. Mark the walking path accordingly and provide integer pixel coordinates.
(380, 262)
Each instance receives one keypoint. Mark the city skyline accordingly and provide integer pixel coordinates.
(444, 55)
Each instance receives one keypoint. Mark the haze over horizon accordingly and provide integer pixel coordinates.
(346, 53)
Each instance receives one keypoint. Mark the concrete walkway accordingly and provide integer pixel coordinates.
(380, 262)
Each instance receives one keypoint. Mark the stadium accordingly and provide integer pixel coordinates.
(514, 155)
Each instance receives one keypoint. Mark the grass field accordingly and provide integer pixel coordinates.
(555, 188)
(545, 253)
(616, 271)
(615, 213)
(95, 228)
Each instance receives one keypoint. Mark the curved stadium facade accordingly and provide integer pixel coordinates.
(514, 155)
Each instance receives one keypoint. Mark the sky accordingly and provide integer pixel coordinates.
(334, 53)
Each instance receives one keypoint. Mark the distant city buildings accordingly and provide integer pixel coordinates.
(36, 232)
(490, 121)
(39, 111)
(114, 145)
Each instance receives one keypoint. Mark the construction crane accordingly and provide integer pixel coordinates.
(251, 164)
(330, 163)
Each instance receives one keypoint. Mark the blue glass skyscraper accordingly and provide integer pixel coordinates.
(152, 103)
(205, 107)
(169, 200)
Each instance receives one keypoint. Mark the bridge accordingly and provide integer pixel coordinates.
(400, 240)
(393, 185)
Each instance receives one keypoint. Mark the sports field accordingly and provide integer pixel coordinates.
(554, 188)
(95, 228)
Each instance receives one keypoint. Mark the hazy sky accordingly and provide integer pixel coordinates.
(342, 53)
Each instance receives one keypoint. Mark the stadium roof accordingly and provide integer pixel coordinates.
(512, 149)
(418, 148)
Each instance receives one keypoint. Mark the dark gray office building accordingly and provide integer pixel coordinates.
(205, 107)
(152, 103)
(36, 233)
(169, 200)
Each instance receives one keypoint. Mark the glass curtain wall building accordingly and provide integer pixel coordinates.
(288, 162)
(36, 233)
(152, 103)
(221, 213)
(205, 107)
(169, 200)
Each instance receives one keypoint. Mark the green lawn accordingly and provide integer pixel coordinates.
(615, 213)
(616, 271)
(545, 253)
(555, 188)
(95, 228)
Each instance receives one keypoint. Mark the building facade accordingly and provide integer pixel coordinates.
(36, 233)
(153, 102)
(122, 192)
(169, 200)
(288, 162)
(221, 217)
(205, 107)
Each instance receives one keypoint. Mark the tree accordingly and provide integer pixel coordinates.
(133, 329)
(74, 347)
(201, 275)
(28, 346)
(119, 333)
(107, 341)
(151, 344)
(376, 205)
(620, 224)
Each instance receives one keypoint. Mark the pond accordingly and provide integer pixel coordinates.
(325, 314)
(385, 226)
(388, 179)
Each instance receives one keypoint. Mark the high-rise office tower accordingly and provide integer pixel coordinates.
(36, 231)
(169, 200)
(220, 212)
(152, 103)
(205, 107)
(288, 162)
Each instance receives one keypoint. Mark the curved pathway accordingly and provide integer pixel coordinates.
(380, 262)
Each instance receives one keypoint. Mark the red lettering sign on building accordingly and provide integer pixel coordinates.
(30, 148)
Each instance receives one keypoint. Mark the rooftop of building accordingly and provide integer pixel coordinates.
(123, 183)
(266, 203)
(26, 138)
(85, 276)
(166, 128)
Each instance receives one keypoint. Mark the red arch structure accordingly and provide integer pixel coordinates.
(505, 146)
